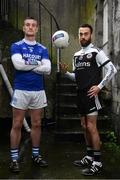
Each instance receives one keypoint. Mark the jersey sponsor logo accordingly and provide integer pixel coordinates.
(31, 59)
(31, 62)
(82, 64)
(31, 56)
(79, 63)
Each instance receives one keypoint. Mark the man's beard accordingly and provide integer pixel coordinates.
(85, 43)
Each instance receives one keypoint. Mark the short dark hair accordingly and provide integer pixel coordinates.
(30, 17)
(88, 26)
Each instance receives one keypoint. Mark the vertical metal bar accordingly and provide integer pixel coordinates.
(40, 22)
(58, 81)
(28, 8)
(1, 9)
(51, 38)
(16, 14)
(6, 16)
(9, 9)
(10, 90)
(4, 9)
(58, 59)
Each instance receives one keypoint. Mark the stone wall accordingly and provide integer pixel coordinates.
(113, 52)
(9, 35)
(69, 15)
(116, 50)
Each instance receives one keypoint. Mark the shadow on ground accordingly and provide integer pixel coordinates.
(60, 156)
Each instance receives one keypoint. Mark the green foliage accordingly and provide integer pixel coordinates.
(111, 136)
(112, 142)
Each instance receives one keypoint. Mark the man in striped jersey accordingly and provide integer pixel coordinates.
(87, 64)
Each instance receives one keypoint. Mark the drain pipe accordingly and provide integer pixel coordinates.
(10, 90)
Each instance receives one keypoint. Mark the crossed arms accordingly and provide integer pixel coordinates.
(39, 67)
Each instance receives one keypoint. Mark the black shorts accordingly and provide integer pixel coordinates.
(87, 105)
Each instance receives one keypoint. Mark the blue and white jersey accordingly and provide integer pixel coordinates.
(31, 54)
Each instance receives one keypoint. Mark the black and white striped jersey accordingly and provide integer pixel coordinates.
(86, 67)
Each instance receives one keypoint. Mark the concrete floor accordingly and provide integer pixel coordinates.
(60, 156)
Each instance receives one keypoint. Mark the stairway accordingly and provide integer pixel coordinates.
(66, 114)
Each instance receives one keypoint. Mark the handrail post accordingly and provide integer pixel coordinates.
(10, 90)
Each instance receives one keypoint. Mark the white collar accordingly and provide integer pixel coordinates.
(87, 47)
(29, 42)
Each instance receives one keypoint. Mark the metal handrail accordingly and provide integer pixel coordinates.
(16, 18)
(52, 18)
(5, 12)
(57, 25)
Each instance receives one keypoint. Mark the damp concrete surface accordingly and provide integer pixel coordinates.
(60, 156)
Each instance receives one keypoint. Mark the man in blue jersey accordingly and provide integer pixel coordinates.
(31, 62)
(87, 64)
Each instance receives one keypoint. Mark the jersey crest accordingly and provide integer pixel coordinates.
(89, 56)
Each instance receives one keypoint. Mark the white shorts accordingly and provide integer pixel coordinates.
(95, 113)
(29, 99)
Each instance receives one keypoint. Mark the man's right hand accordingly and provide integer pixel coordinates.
(63, 67)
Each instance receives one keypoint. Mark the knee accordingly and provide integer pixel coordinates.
(91, 128)
(83, 126)
(36, 124)
(17, 125)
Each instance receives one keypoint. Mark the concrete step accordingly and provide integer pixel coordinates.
(72, 124)
(68, 125)
(76, 136)
(67, 97)
(66, 87)
(63, 108)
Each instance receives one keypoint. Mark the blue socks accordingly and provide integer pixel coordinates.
(35, 151)
(14, 154)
